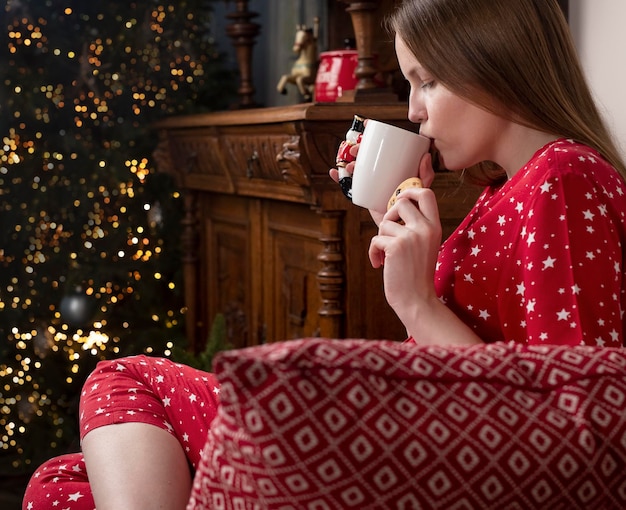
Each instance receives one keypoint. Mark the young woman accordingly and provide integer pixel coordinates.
(540, 258)
(497, 86)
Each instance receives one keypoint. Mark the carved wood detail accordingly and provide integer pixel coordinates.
(291, 167)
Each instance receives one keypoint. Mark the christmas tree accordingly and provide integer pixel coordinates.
(89, 230)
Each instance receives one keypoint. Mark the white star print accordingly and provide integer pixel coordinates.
(563, 315)
(549, 262)
(75, 497)
(588, 214)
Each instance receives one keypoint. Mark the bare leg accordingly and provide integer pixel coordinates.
(136, 466)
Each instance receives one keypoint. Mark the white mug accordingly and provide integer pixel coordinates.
(388, 155)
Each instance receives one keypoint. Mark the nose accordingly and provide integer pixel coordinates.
(417, 115)
(417, 108)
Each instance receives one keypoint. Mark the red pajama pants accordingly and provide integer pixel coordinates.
(176, 398)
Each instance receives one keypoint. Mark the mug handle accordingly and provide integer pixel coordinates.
(345, 182)
(353, 136)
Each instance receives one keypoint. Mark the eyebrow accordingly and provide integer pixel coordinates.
(416, 73)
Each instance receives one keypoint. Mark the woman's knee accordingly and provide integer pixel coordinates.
(58, 481)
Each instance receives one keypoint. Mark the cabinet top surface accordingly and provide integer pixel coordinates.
(278, 114)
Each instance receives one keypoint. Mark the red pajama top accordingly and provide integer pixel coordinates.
(540, 259)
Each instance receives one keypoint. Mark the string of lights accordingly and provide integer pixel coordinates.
(88, 251)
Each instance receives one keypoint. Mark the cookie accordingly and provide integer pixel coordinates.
(411, 182)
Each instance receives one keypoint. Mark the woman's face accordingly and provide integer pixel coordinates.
(462, 133)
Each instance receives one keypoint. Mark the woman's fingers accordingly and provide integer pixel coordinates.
(426, 172)
(412, 205)
(377, 250)
(334, 174)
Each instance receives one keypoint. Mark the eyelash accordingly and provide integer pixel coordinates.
(427, 84)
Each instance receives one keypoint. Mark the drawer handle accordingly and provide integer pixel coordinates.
(250, 163)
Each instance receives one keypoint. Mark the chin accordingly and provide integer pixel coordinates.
(449, 164)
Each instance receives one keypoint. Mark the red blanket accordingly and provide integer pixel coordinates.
(327, 424)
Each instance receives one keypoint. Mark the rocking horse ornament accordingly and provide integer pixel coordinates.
(304, 68)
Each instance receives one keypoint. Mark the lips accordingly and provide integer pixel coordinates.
(433, 147)
(432, 141)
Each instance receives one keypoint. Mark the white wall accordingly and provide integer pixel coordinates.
(599, 28)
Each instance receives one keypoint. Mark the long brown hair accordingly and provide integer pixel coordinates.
(515, 58)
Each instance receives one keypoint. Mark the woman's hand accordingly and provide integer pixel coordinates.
(407, 247)
(408, 251)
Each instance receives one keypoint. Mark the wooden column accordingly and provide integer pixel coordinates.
(363, 16)
(243, 33)
(331, 278)
(189, 259)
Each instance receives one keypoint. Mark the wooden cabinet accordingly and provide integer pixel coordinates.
(259, 266)
(268, 239)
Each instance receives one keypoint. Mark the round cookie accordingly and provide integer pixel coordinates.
(411, 182)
